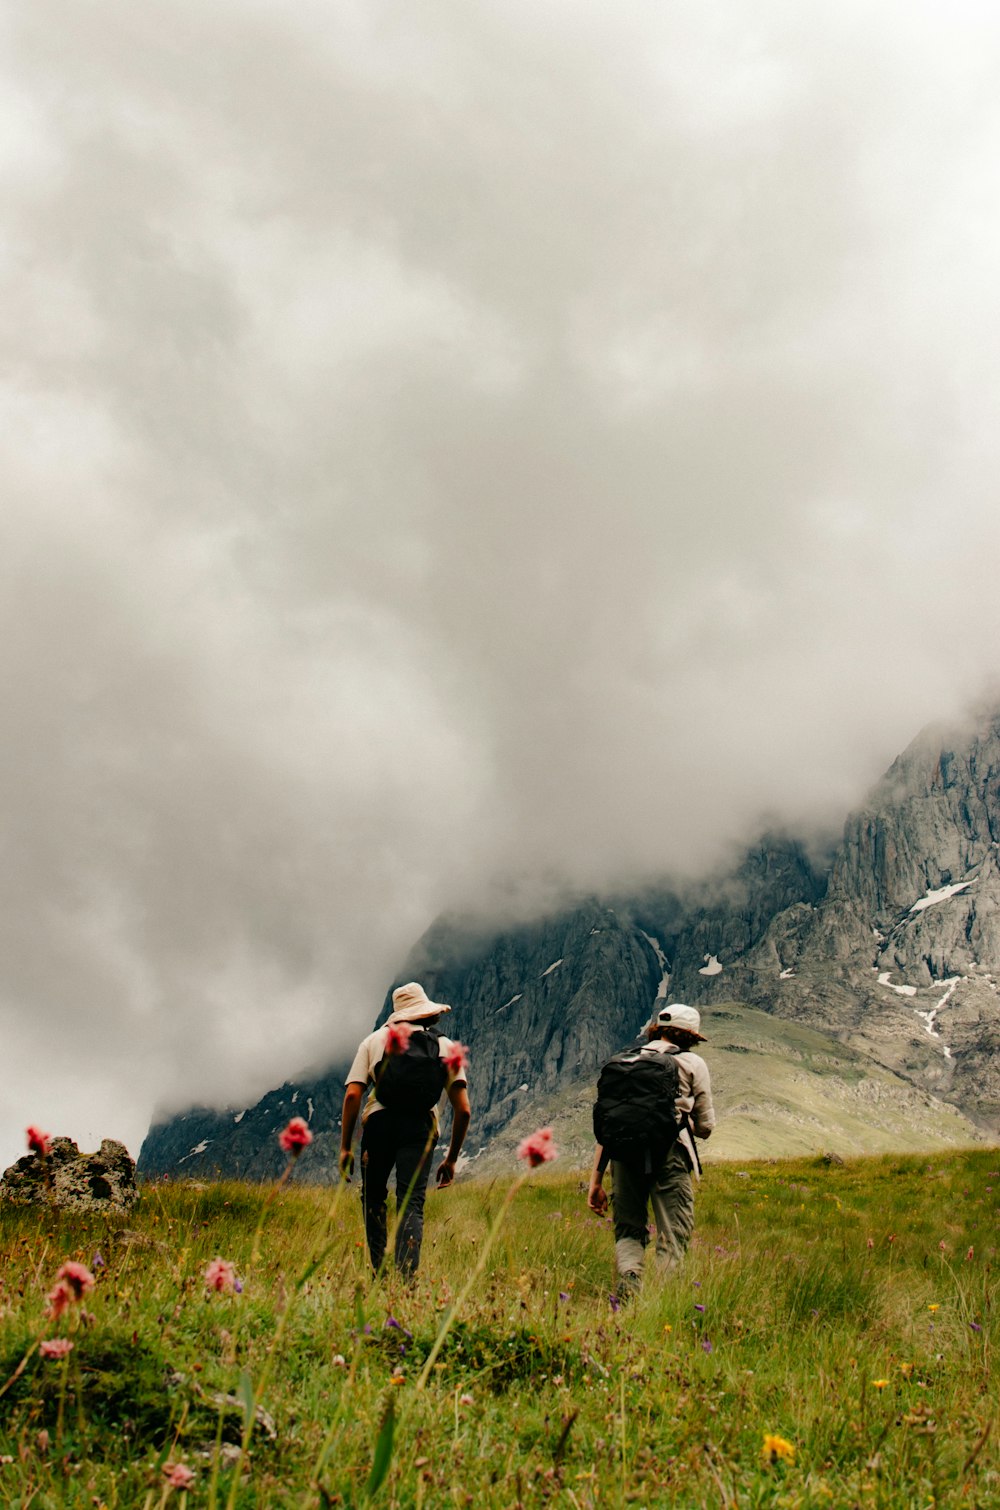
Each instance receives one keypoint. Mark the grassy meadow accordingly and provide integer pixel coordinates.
(829, 1342)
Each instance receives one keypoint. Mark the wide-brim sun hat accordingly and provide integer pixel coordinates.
(410, 1003)
(677, 1015)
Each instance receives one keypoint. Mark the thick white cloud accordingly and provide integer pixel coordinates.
(448, 442)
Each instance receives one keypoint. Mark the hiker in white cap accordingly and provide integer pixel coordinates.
(408, 1066)
(653, 1100)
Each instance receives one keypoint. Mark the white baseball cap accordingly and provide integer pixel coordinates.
(677, 1015)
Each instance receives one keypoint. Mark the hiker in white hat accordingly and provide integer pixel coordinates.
(408, 1066)
(653, 1100)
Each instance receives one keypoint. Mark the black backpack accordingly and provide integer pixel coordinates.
(635, 1115)
(413, 1080)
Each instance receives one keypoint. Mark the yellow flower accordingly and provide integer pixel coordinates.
(776, 1450)
(667, 1327)
(934, 1308)
(906, 1369)
(879, 1383)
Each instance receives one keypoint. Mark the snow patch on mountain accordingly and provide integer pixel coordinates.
(931, 898)
(884, 980)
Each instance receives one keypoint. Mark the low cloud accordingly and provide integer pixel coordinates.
(527, 440)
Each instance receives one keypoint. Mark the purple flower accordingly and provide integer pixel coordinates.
(238, 1285)
(563, 1295)
(616, 1304)
(698, 1307)
(975, 1326)
(706, 1346)
(97, 1262)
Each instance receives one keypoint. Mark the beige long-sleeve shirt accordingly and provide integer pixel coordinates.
(695, 1095)
(694, 1098)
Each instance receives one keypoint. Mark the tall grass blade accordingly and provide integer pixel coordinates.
(383, 1449)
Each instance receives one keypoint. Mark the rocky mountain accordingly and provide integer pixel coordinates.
(886, 949)
(241, 1142)
(901, 954)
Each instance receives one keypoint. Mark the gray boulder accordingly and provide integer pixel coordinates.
(102, 1181)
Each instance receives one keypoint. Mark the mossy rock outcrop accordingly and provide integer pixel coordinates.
(65, 1177)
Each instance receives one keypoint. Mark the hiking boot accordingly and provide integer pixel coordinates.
(628, 1288)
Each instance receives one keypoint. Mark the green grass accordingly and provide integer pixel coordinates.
(817, 1304)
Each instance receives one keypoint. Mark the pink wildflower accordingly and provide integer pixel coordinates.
(538, 1149)
(971, 1253)
(60, 1298)
(943, 1246)
(178, 1475)
(221, 1275)
(55, 1347)
(38, 1141)
(295, 1136)
(871, 1243)
(455, 1060)
(78, 1277)
(398, 1037)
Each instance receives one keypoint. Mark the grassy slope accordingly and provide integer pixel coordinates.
(780, 1090)
(807, 1287)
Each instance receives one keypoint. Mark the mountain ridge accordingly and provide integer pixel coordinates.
(891, 950)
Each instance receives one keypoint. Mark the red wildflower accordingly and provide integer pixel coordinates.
(455, 1060)
(971, 1254)
(38, 1141)
(55, 1347)
(295, 1136)
(78, 1277)
(220, 1275)
(178, 1475)
(539, 1148)
(398, 1037)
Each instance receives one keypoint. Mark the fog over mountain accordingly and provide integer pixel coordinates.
(447, 444)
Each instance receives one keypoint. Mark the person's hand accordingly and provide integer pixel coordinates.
(597, 1199)
(346, 1165)
(446, 1172)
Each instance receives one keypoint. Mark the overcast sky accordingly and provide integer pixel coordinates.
(444, 440)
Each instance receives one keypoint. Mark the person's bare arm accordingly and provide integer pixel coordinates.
(461, 1116)
(597, 1196)
(348, 1122)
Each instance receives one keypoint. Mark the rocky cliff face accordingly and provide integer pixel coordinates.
(889, 945)
(901, 953)
(242, 1143)
(538, 1003)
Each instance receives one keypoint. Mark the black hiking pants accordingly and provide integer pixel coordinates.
(404, 1142)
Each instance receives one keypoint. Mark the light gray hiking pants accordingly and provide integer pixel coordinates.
(671, 1195)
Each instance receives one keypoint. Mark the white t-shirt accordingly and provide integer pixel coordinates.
(371, 1052)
